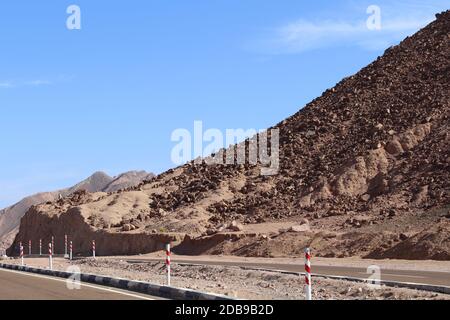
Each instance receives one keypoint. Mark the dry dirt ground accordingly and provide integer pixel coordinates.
(236, 282)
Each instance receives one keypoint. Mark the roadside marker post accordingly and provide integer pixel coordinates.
(168, 263)
(93, 249)
(308, 290)
(21, 254)
(50, 256)
(29, 247)
(53, 244)
(70, 250)
(65, 245)
(40, 247)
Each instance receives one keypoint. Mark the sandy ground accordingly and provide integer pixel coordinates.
(234, 281)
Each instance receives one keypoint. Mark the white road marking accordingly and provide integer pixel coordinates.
(82, 284)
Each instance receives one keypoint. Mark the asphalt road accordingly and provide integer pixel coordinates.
(414, 276)
(16, 285)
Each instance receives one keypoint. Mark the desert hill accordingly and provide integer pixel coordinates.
(364, 171)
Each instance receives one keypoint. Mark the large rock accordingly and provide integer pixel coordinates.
(300, 228)
(236, 226)
(127, 227)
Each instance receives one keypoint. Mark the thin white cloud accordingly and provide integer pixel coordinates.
(16, 84)
(305, 35)
(37, 83)
(33, 83)
(5, 84)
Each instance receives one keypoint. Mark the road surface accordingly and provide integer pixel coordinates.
(415, 276)
(15, 285)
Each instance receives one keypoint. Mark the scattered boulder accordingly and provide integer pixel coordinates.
(127, 227)
(236, 226)
(300, 228)
(359, 221)
(211, 231)
(304, 221)
(162, 212)
(403, 236)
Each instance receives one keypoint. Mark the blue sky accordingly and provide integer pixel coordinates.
(107, 97)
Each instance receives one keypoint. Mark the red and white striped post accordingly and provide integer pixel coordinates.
(50, 256)
(93, 249)
(21, 254)
(29, 247)
(65, 245)
(168, 263)
(308, 274)
(40, 247)
(70, 250)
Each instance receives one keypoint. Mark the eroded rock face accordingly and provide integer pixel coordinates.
(432, 243)
(37, 225)
(409, 139)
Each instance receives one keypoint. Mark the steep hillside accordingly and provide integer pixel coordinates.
(364, 171)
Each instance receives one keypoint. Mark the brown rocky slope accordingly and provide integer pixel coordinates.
(364, 171)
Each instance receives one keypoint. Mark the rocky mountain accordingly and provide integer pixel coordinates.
(364, 171)
(95, 183)
(127, 180)
(99, 181)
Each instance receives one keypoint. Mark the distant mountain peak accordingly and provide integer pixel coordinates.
(127, 179)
